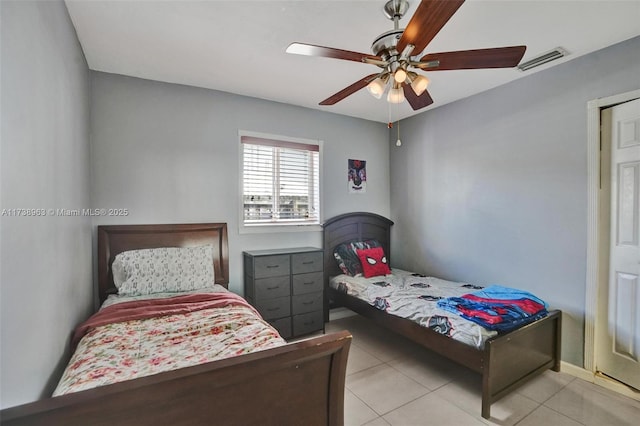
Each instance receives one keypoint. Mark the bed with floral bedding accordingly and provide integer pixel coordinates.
(172, 345)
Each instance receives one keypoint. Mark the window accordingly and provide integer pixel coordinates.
(280, 181)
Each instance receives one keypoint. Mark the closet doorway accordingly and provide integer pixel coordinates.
(617, 327)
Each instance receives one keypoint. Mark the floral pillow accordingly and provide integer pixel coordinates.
(163, 270)
(374, 262)
(347, 257)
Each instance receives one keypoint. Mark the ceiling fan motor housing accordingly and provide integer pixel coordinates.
(385, 45)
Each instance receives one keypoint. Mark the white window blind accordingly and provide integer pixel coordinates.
(280, 182)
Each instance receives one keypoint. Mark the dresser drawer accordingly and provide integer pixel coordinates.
(306, 262)
(283, 325)
(307, 323)
(306, 303)
(268, 288)
(271, 266)
(307, 283)
(274, 308)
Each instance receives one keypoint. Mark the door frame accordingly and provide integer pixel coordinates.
(593, 244)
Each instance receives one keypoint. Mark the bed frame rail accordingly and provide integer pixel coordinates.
(452, 349)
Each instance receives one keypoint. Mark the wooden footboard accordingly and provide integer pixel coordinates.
(300, 383)
(513, 358)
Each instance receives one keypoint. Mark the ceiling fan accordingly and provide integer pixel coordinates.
(396, 53)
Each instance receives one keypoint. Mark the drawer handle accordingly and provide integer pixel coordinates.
(308, 303)
(273, 266)
(309, 283)
(308, 263)
(273, 309)
(309, 323)
(273, 288)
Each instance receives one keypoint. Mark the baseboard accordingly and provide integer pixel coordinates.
(600, 380)
(576, 371)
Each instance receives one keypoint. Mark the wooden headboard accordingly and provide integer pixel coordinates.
(348, 227)
(115, 239)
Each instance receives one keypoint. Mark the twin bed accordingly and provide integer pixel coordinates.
(505, 360)
(242, 372)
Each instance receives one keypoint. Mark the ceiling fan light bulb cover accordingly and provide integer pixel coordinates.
(376, 88)
(395, 96)
(400, 76)
(419, 84)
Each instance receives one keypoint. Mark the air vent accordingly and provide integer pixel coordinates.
(556, 53)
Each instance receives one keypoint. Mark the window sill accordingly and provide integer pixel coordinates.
(279, 227)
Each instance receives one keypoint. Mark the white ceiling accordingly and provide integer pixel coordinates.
(239, 46)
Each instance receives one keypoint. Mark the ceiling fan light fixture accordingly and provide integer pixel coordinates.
(419, 84)
(395, 95)
(377, 87)
(396, 52)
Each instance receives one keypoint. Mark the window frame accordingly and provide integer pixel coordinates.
(277, 226)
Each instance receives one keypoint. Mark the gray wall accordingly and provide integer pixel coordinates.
(493, 188)
(170, 153)
(45, 277)
(167, 153)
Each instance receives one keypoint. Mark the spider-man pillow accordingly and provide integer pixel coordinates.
(346, 255)
(374, 262)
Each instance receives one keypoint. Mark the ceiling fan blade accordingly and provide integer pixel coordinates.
(329, 52)
(414, 100)
(350, 90)
(499, 57)
(427, 21)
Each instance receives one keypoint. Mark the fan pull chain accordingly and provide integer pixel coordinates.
(390, 125)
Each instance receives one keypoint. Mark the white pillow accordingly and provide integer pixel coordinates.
(163, 270)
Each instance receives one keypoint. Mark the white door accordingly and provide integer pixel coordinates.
(619, 348)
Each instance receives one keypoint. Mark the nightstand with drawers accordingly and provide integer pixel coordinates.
(285, 286)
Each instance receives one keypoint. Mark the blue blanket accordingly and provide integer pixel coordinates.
(497, 308)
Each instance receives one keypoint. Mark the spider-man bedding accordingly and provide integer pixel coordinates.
(451, 308)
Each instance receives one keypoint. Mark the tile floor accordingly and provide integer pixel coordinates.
(392, 381)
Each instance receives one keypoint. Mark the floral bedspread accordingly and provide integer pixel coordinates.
(130, 349)
(413, 296)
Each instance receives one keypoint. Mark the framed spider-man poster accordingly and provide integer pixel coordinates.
(357, 176)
